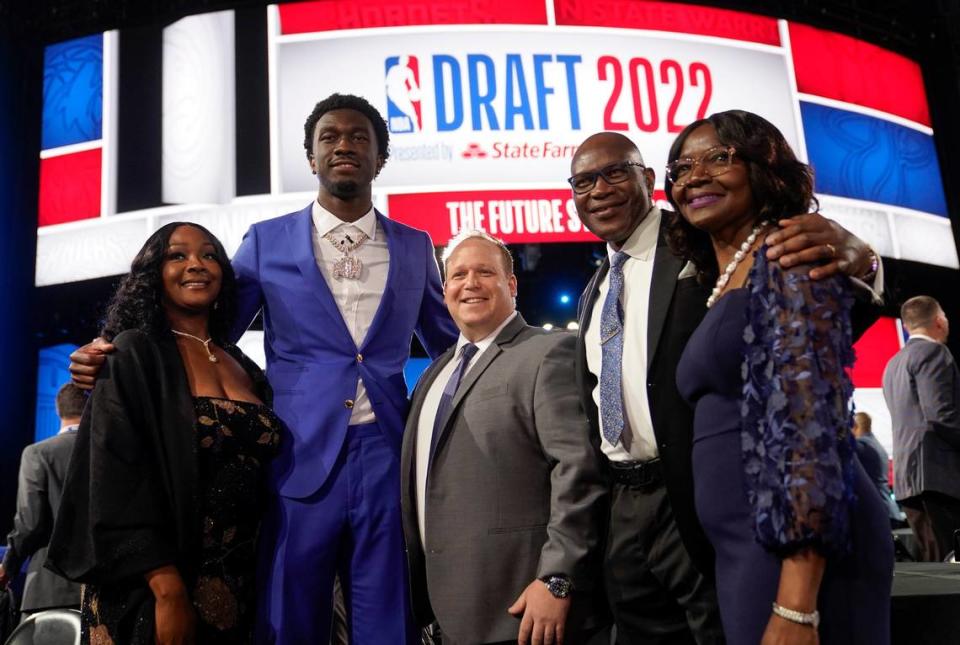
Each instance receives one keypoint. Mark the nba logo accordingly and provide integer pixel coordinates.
(402, 76)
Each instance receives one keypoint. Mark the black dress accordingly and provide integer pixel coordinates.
(235, 440)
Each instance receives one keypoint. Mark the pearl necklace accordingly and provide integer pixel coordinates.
(732, 266)
(206, 344)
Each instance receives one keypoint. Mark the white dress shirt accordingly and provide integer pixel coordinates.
(357, 300)
(428, 415)
(637, 442)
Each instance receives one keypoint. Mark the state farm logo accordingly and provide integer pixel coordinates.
(474, 151)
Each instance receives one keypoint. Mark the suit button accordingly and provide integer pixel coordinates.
(359, 358)
(348, 404)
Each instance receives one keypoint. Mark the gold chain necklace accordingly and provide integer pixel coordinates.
(206, 344)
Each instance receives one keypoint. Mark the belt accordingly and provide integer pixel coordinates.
(637, 473)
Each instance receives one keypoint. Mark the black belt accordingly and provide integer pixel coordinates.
(637, 473)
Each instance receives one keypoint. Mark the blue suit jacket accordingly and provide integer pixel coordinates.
(312, 361)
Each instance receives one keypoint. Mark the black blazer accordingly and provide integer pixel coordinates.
(676, 308)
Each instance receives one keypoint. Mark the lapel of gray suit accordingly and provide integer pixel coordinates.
(666, 269)
(506, 334)
(416, 407)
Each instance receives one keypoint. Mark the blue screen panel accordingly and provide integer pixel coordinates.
(73, 92)
(412, 371)
(863, 157)
(51, 375)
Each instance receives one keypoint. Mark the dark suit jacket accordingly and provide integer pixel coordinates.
(921, 385)
(513, 492)
(43, 468)
(676, 308)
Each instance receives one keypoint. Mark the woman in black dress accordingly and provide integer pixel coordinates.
(166, 484)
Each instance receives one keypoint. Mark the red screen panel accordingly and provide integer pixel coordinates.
(668, 16)
(839, 67)
(329, 15)
(69, 187)
(877, 346)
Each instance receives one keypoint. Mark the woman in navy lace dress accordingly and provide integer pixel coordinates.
(804, 553)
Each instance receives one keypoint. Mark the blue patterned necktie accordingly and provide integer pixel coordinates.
(467, 352)
(611, 345)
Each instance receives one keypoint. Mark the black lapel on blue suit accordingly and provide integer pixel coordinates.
(300, 234)
(666, 269)
(507, 334)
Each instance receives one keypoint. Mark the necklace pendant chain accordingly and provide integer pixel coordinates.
(349, 266)
(732, 265)
(206, 344)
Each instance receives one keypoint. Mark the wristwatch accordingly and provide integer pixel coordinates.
(559, 586)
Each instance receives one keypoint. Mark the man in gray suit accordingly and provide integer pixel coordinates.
(921, 385)
(43, 467)
(501, 490)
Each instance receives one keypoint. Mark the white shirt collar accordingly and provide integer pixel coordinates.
(923, 337)
(642, 243)
(487, 340)
(68, 429)
(325, 221)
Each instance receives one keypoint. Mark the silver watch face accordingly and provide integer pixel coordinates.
(559, 587)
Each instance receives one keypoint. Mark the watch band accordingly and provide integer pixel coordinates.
(558, 586)
(869, 276)
(799, 617)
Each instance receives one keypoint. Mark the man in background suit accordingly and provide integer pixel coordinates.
(342, 290)
(875, 461)
(658, 564)
(43, 467)
(501, 490)
(921, 385)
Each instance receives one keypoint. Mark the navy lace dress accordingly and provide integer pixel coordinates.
(774, 460)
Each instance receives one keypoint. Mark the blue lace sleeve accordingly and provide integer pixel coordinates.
(798, 449)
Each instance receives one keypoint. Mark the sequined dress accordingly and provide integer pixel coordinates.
(235, 440)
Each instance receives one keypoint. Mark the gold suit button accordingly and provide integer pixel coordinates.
(359, 358)
(348, 404)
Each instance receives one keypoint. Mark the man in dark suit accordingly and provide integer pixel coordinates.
(658, 565)
(921, 385)
(43, 467)
(501, 490)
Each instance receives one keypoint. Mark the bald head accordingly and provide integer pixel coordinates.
(611, 141)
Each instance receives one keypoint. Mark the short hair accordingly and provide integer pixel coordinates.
(863, 421)
(348, 102)
(474, 233)
(919, 311)
(70, 401)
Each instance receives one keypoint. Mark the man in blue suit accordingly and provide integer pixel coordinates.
(342, 289)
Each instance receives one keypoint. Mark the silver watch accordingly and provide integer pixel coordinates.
(559, 586)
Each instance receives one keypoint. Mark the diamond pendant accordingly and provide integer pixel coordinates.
(212, 358)
(348, 267)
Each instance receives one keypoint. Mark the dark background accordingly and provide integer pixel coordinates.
(30, 318)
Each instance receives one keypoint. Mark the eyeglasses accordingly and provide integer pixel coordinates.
(613, 174)
(715, 161)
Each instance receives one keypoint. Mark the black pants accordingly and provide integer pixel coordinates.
(656, 593)
(933, 517)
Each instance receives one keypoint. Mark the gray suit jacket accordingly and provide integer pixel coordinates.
(514, 490)
(921, 385)
(43, 467)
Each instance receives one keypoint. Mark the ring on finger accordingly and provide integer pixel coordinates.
(831, 250)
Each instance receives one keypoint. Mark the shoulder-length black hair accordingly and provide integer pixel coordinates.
(782, 185)
(138, 301)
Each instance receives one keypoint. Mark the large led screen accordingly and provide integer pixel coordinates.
(486, 105)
